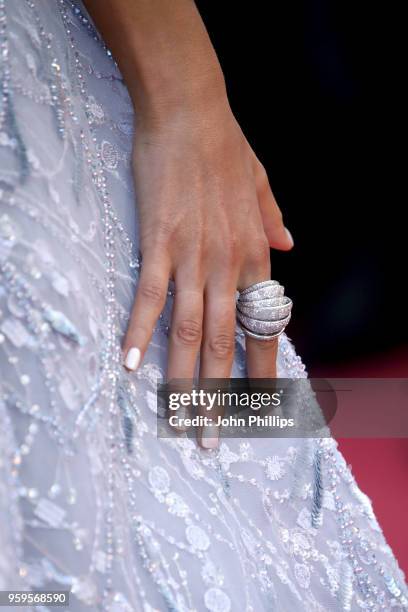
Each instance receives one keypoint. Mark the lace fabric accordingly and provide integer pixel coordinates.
(90, 499)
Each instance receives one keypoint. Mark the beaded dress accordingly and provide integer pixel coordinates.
(91, 500)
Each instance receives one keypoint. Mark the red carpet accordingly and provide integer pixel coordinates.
(380, 466)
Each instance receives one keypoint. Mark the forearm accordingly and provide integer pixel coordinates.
(163, 51)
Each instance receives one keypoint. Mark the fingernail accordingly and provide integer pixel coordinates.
(132, 358)
(182, 414)
(289, 235)
(210, 436)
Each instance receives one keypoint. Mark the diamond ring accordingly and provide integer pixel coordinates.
(263, 311)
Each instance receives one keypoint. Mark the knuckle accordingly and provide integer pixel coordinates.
(259, 254)
(263, 177)
(221, 345)
(231, 250)
(188, 332)
(152, 292)
(262, 171)
(164, 231)
(197, 264)
(156, 236)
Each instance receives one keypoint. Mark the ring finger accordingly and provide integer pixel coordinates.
(261, 354)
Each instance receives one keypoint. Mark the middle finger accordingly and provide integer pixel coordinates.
(217, 349)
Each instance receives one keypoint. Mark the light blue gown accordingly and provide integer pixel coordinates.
(91, 500)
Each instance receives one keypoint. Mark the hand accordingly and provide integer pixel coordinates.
(207, 220)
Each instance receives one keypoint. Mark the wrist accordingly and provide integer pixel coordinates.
(164, 53)
(168, 94)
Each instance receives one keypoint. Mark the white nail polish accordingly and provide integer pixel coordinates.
(182, 413)
(132, 358)
(289, 235)
(210, 436)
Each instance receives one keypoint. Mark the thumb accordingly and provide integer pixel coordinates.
(279, 237)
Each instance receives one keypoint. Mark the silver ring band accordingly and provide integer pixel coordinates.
(256, 286)
(263, 311)
(266, 292)
(267, 310)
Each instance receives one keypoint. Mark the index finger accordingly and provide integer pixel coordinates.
(150, 299)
